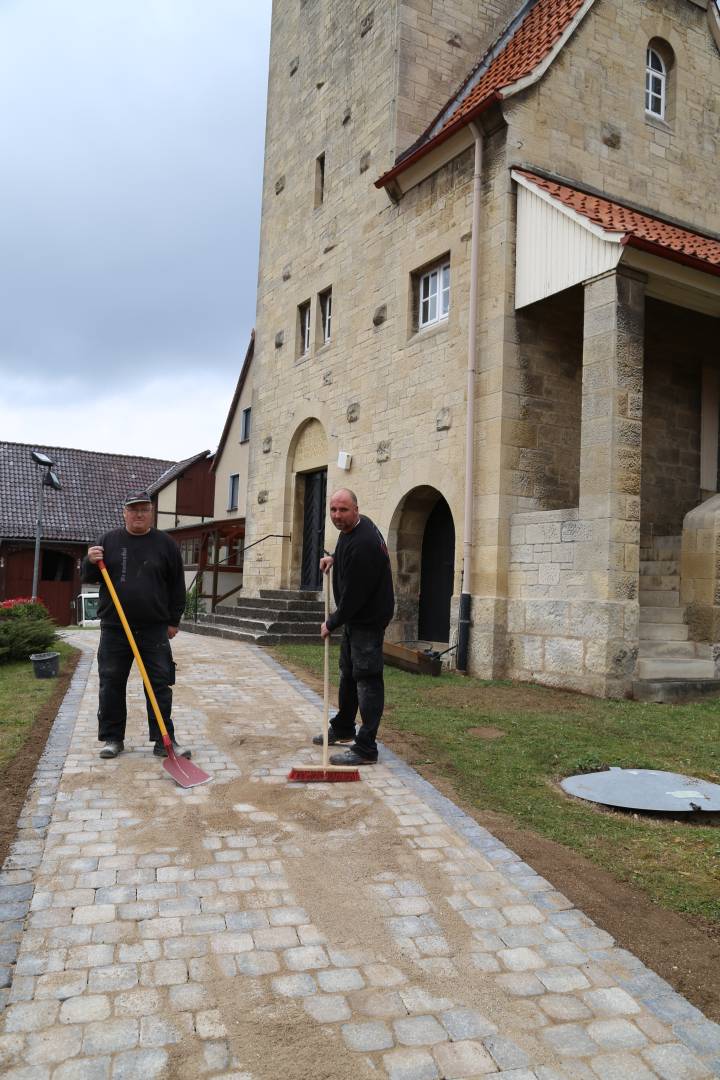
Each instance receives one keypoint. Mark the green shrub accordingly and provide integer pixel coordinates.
(25, 628)
(193, 602)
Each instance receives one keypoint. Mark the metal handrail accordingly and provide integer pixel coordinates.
(197, 597)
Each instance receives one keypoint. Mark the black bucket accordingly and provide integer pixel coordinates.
(46, 665)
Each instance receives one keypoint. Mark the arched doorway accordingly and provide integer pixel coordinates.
(309, 469)
(437, 567)
(421, 540)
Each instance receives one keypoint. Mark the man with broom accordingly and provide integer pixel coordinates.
(363, 591)
(146, 569)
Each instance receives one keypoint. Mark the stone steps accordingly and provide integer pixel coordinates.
(651, 582)
(233, 634)
(657, 566)
(666, 657)
(672, 691)
(682, 650)
(262, 626)
(671, 667)
(659, 598)
(659, 614)
(663, 631)
(275, 616)
(272, 604)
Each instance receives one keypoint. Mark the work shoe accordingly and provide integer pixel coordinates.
(112, 748)
(351, 756)
(332, 738)
(180, 751)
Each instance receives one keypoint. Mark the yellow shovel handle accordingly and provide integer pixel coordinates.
(126, 627)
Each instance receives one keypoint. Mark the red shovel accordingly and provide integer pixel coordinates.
(184, 772)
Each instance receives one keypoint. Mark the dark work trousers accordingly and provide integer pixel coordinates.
(361, 686)
(115, 659)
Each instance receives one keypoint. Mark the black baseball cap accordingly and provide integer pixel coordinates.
(137, 497)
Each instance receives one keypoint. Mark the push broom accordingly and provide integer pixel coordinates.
(332, 774)
(184, 772)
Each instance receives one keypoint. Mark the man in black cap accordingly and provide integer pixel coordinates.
(146, 568)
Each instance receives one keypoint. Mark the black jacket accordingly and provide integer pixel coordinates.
(362, 580)
(147, 572)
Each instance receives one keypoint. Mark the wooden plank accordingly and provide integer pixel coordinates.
(412, 660)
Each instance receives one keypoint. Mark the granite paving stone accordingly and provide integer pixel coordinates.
(463, 1059)
(121, 941)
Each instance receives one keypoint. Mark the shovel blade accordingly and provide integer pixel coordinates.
(184, 772)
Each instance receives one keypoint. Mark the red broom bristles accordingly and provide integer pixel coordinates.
(318, 773)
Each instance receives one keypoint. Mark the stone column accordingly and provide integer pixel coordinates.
(610, 467)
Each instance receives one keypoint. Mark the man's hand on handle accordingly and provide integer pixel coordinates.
(172, 631)
(326, 566)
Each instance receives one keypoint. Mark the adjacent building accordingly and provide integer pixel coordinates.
(89, 503)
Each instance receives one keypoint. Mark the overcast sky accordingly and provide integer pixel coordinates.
(131, 148)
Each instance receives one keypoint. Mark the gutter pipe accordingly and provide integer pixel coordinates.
(465, 595)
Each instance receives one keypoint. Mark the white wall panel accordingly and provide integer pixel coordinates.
(555, 249)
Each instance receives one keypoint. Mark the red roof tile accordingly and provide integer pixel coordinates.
(530, 44)
(639, 229)
(521, 50)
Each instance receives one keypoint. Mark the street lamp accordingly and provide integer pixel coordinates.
(50, 480)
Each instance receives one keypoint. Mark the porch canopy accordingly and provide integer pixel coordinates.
(566, 236)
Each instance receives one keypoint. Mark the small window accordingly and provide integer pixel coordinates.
(325, 299)
(655, 84)
(245, 425)
(233, 489)
(433, 295)
(190, 551)
(319, 180)
(303, 329)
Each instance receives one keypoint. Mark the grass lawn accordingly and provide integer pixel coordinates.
(549, 735)
(22, 698)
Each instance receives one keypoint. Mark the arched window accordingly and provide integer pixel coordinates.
(655, 84)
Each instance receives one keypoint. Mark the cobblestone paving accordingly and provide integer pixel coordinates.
(251, 929)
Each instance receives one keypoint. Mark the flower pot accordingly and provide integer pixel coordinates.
(46, 665)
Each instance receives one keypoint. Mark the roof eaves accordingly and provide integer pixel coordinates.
(610, 235)
(476, 75)
(428, 141)
(446, 133)
(233, 404)
(537, 73)
(664, 252)
(175, 472)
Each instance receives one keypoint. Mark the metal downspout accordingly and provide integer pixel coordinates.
(465, 595)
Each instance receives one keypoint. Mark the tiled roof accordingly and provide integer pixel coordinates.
(174, 472)
(518, 53)
(94, 486)
(526, 49)
(639, 229)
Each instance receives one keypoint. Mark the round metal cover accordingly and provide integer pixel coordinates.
(646, 789)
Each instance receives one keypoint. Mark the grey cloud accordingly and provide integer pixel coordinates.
(132, 163)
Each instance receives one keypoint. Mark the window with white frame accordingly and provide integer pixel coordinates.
(303, 329)
(433, 294)
(245, 425)
(233, 490)
(325, 299)
(655, 84)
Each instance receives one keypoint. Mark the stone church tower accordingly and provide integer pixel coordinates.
(586, 250)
